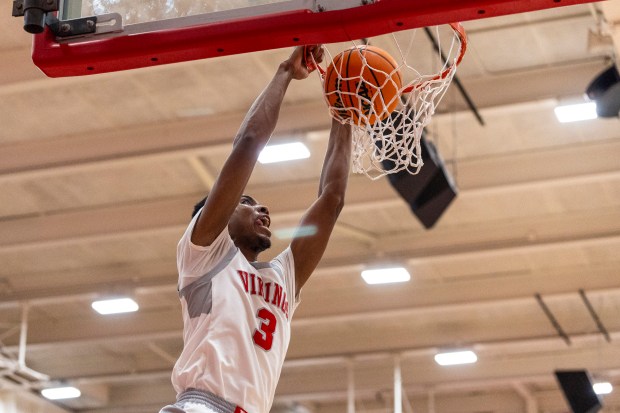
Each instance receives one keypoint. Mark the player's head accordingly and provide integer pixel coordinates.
(248, 225)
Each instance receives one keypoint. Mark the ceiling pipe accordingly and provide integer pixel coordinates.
(594, 315)
(21, 358)
(531, 404)
(18, 371)
(457, 82)
(350, 386)
(398, 386)
(407, 404)
(554, 322)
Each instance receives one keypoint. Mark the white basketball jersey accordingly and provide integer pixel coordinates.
(236, 317)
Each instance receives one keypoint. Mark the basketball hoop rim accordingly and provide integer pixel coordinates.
(458, 29)
(460, 32)
(387, 136)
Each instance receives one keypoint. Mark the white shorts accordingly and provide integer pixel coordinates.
(188, 407)
(199, 401)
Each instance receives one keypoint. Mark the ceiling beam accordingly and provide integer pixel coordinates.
(76, 331)
(171, 213)
(537, 233)
(486, 350)
(496, 287)
(194, 136)
(379, 314)
(597, 227)
(166, 140)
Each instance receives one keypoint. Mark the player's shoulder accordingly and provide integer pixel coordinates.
(283, 262)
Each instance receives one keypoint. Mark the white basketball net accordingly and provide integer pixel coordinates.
(393, 144)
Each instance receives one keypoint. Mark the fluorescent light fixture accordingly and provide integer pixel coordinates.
(602, 388)
(295, 232)
(456, 357)
(283, 152)
(59, 393)
(574, 113)
(386, 275)
(115, 306)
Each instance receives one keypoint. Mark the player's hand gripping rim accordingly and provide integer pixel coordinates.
(312, 57)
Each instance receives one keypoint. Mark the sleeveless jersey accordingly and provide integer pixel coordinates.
(236, 321)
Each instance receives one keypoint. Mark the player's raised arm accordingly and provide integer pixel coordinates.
(322, 215)
(251, 138)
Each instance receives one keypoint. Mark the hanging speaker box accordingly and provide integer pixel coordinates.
(431, 191)
(605, 91)
(578, 391)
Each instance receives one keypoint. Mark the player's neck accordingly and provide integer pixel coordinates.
(249, 254)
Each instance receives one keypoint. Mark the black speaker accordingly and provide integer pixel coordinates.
(431, 191)
(578, 391)
(605, 91)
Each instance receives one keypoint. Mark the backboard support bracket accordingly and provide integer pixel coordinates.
(34, 12)
(73, 27)
(41, 13)
(85, 26)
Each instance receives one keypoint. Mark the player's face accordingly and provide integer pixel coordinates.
(249, 225)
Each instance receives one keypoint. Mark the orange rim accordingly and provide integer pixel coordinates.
(459, 30)
(310, 63)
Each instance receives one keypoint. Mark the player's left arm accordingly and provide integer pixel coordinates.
(322, 215)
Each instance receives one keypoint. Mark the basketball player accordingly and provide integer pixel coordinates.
(237, 311)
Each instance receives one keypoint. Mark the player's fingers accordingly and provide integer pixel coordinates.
(310, 58)
(319, 53)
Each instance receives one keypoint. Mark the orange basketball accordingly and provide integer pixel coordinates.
(363, 80)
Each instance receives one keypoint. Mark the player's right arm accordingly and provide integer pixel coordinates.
(253, 135)
(323, 213)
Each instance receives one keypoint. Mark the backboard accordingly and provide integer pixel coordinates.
(97, 36)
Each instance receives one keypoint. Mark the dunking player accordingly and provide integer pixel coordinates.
(237, 311)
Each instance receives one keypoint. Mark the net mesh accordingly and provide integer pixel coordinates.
(387, 129)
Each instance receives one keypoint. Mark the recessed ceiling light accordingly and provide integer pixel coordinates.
(456, 357)
(602, 388)
(578, 112)
(115, 306)
(386, 275)
(59, 393)
(283, 152)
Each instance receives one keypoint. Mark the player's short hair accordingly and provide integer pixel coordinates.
(199, 205)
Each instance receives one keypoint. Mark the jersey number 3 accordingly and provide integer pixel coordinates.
(263, 335)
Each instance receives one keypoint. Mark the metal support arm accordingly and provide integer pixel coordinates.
(34, 12)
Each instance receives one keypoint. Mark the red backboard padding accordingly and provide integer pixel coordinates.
(274, 31)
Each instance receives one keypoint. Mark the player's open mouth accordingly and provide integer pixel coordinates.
(263, 223)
